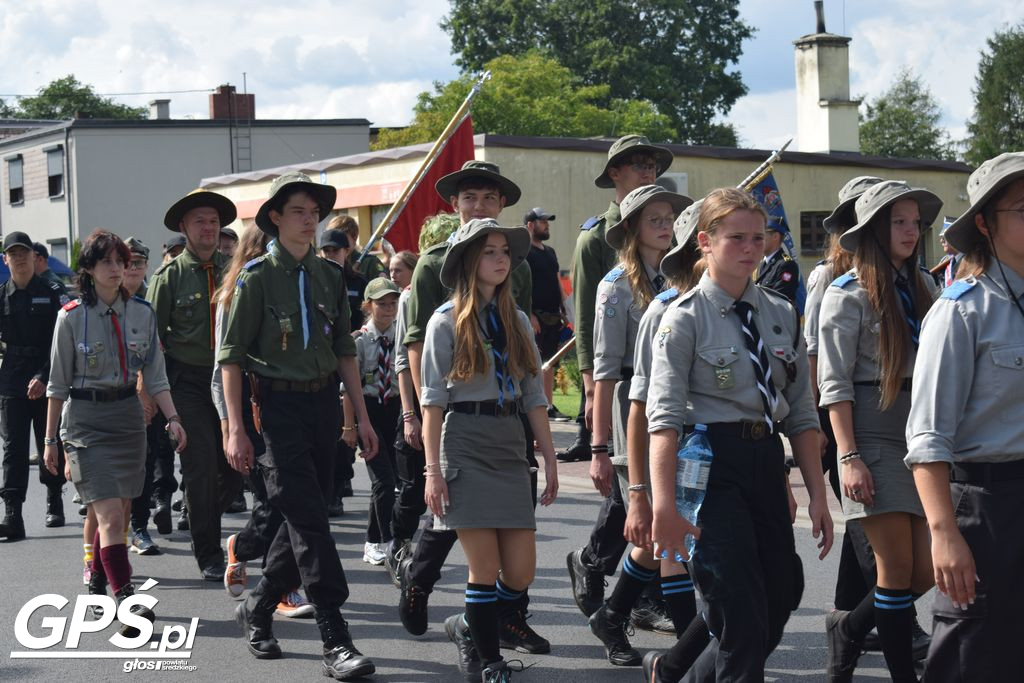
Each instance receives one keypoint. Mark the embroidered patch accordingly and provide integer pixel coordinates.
(662, 334)
(786, 277)
(609, 312)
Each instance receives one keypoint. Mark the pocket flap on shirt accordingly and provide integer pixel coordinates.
(1011, 357)
(720, 356)
(783, 352)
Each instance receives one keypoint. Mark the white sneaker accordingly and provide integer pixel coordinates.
(373, 553)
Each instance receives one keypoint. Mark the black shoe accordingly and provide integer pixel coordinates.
(469, 660)
(213, 572)
(652, 615)
(97, 586)
(611, 629)
(345, 489)
(178, 504)
(577, 451)
(412, 605)
(922, 641)
(54, 508)
(83, 510)
(650, 667)
(557, 416)
(139, 610)
(162, 516)
(396, 551)
(257, 631)
(587, 584)
(238, 504)
(342, 661)
(842, 653)
(13, 526)
(517, 635)
(499, 672)
(336, 508)
(183, 524)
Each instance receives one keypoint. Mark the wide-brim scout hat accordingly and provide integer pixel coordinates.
(984, 183)
(478, 228)
(685, 254)
(633, 204)
(885, 194)
(380, 287)
(845, 215)
(200, 198)
(448, 186)
(627, 146)
(323, 195)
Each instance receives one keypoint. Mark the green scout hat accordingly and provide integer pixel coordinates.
(882, 195)
(136, 246)
(844, 215)
(685, 254)
(984, 183)
(198, 198)
(380, 287)
(627, 146)
(448, 186)
(634, 202)
(323, 195)
(518, 245)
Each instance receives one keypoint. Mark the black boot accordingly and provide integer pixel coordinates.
(13, 526)
(610, 627)
(97, 586)
(579, 450)
(54, 507)
(255, 615)
(336, 508)
(842, 653)
(183, 518)
(162, 514)
(342, 661)
(397, 550)
(126, 592)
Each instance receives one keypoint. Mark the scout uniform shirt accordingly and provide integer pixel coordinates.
(700, 357)
(27, 317)
(817, 282)
(283, 331)
(966, 404)
(375, 351)
(401, 324)
(181, 293)
(643, 354)
(617, 323)
(592, 258)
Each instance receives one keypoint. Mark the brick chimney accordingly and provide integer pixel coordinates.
(225, 103)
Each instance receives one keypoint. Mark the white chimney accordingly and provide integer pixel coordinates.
(826, 117)
(160, 109)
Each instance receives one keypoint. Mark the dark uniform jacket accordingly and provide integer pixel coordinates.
(781, 275)
(27, 319)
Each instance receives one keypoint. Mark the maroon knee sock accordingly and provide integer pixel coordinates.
(115, 562)
(97, 561)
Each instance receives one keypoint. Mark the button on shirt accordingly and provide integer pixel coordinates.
(180, 293)
(616, 323)
(967, 402)
(699, 356)
(27, 317)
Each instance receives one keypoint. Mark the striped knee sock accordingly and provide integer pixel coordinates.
(894, 617)
(630, 585)
(482, 619)
(677, 591)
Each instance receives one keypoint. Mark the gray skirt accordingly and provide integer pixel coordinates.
(105, 445)
(882, 444)
(483, 459)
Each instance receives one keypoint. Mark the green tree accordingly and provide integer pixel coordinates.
(998, 123)
(675, 54)
(67, 98)
(7, 111)
(530, 95)
(904, 122)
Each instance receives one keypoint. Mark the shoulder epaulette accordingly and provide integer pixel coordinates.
(820, 263)
(614, 274)
(142, 301)
(668, 295)
(591, 222)
(358, 333)
(72, 305)
(844, 279)
(958, 289)
(53, 285)
(446, 306)
(255, 262)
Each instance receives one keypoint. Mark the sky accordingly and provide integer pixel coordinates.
(338, 59)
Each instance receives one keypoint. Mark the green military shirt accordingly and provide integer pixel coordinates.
(428, 293)
(180, 292)
(591, 261)
(264, 327)
(370, 267)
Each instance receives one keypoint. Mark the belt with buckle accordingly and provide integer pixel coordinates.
(744, 429)
(986, 472)
(489, 408)
(303, 387)
(104, 395)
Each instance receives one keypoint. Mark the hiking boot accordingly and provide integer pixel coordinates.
(517, 635)
(13, 526)
(396, 551)
(235, 578)
(587, 584)
(178, 504)
(183, 524)
(579, 450)
(469, 660)
(140, 610)
(162, 515)
(412, 605)
(342, 661)
(555, 415)
(611, 629)
(97, 586)
(652, 615)
(842, 653)
(54, 507)
(293, 606)
(256, 629)
(142, 544)
(499, 672)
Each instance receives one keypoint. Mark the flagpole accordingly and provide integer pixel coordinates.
(396, 209)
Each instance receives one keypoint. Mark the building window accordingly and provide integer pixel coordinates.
(812, 233)
(16, 180)
(55, 171)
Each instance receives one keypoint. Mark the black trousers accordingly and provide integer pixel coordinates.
(252, 541)
(409, 503)
(301, 431)
(140, 504)
(983, 642)
(21, 417)
(382, 468)
(743, 563)
(164, 481)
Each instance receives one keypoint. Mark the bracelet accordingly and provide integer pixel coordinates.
(350, 429)
(599, 449)
(49, 441)
(406, 414)
(174, 418)
(638, 487)
(432, 466)
(847, 457)
(431, 474)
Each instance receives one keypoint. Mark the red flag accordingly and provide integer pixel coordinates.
(424, 201)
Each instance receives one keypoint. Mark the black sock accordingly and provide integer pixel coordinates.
(630, 585)
(861, 619)
(509, 601)
(894, 617)
(677, 591)
(674, 664)
(482, 619)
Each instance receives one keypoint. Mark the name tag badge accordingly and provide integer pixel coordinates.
(91, 361)
(368, 378)
(724, 378)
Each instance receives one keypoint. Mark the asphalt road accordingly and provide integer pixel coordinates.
(49, 561)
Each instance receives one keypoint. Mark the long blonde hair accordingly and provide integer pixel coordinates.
(470, 357)
(252, 244)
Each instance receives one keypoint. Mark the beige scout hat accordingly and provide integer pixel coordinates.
(199, 198)
(844, 215)
(518, 245)
(685, 254)
(380, 287)
(323, 195)
(627, 146)
(633, 204)
(448, 186)
(984, 183)
(885, 194)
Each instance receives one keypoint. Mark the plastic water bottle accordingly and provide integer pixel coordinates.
(693, 465)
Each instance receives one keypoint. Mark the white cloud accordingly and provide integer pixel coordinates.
(765, 120)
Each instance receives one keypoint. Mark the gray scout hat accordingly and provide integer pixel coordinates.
(136, 246)
(685, 254)
(844, 215)
(627, 146)
(380, 287)
(518, 245)
(448, 186)
(984, 183)
(885, 194)
(634, 202)
(323, 195)
(199, 198)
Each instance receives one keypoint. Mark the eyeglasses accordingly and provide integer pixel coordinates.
(660, 221)
(644, 166)
(137, 264)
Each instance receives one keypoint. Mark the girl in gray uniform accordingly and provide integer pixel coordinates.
(728, 354)
(966, 426)
(101, 342)
(641, 237)
(481, 365)
(867, 343)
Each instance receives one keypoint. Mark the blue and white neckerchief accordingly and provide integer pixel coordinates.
(499, 352)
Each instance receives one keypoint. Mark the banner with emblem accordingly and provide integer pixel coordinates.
(766, 192)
